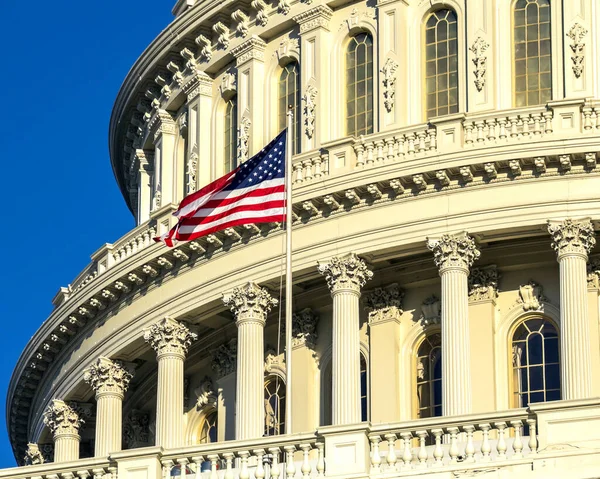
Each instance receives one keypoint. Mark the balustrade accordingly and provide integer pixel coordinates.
(81, 469)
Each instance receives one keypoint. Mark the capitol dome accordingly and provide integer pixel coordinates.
(446, 277)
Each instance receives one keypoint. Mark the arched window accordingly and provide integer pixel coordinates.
(208, 432)
(289, 94)
(230, 136)
(364, 391)
(441, 63)
(429, 376)
(359, 85)
(274, 406)
(532, 52)
(535, 360)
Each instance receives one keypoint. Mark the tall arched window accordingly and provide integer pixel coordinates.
(230, 136)
(274, 406)
(289, 94)
(364, 391)
(535, 360)
(429, 376)
(441, 63)
(532, 52)
(208, 431)
(359, 85)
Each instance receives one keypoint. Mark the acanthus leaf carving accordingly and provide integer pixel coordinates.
(249, 302)
(304, 328)
(108, 376)
(384, 303)
(389, 83)
(453, 251)
(576, 34)
(483, 284)
(33, 455)
(572, 237)
(225, 358)
(310, 106)
(62, 418)
(479, 47)
(345, 272)
(168, 336)
(136, 429)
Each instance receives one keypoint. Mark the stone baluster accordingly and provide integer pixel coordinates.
(275, 470)
(485, 442)
(391, 457)
(345, 277)
(454, 255)
(250, 305)
(64, 423)
(305, 468)
(171, 341)
(109, 379)
(438, 452)
(572, 240)
(422, 455)
(321, 460)
(375, 455)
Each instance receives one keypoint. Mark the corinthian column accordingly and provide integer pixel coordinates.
(250, 304)
(171, 341)
(110, 380)
(63, 422)
(572, 241)
(454, 255)
(345, 276)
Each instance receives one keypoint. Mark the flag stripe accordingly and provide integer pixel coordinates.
(248, 216)
(275, 200)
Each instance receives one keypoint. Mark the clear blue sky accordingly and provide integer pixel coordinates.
(62, 65)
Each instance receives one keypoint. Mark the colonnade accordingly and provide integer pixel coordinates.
(345, 276)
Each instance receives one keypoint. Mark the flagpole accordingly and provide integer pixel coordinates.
(288, 270)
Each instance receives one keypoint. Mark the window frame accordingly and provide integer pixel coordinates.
(271, 378)
(430, 331)
(297, 124)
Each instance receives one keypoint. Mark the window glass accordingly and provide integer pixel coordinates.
(209, 429)
(274, 406)
(429, 376)
(364, 391)
(230, 136)
(289, 94)
(359, 85)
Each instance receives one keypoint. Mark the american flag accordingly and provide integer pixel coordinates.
(252, 193)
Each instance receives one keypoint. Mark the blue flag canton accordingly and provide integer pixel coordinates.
(268, 164)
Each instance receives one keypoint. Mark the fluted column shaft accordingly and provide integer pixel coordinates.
(171, 341)
(64, 423)
(250, 304)
(345, 276)
(573, 240)
(454, 255)
(66, 447)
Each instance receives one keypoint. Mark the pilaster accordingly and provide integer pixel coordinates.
(164, 131)
(250, 304)
(145, 161)
(593, 280)
(224, 365)
(454, 255)
(579, 53)
(250, 63)
(64, 424)
(171, 341)
(345, 276)
(481, 54)
(109, 379)
(573, 240)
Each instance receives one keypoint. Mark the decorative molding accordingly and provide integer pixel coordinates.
(192, 171)
(228, 85)
(206, 49)
(531, 296)
(346, 272)
(206, 394)
(356, 16)
(222, 32)
(106, 376)
(249, 303)
(274, 363)
(251, 49)
(576, 34)
(288, 48)
(225, 358)
(479, 47)
(169, 337)
(243, 139)
(483, 284)
(385, 304)
(389, 83)
(453, 251)
(310, 106)
(242, 20)
(572, 237)
(283, 7)
(199, 84)
(431, 311)
(262, 18)
(136, 429)
(304, 328)
(317, 17)
(33, 455)
(62, 418)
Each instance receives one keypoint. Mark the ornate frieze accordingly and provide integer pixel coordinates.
(384, 303)
(61, 418)
(531, 296)
(431, 311)
(310, 106)
(453, 251)
(347, 272)
(33, 455)
(249, 303)
(317, 17)
(169, 337)
(479, 47)
(225, 358)
(251, 49)
(136, 429)
(572, 237)
(304, 328)
(243, 138)
(206, 394)
(261, 12)
(108, 376)
(577, 34)
(389, 83)
(483, 284)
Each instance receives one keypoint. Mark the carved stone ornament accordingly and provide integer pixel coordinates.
(283, 7)
(317, 17)
(33, 455)
(384, 303)
(531, 296)
(576, 34)
(354, 18)
(479, 47)
(249, 303)
(136, 429)
(243, 138)
(273, 361)
(156, 199)
(225, 358)
(572, 237)
(593, 273)
(304, 328)
(61, 419)
(310, 105)
(483, 284)
(222, 35)
(206, 394)
(347, 272)
(453, 251)
(242, 22)
(169, 337)
(106, 376)
(228, 85)
(288, 46)
(261, 12)
(206, 49)
(389, 83)
(431, 310)
(192, 171)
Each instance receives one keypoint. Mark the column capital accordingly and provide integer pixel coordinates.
(108, 377)
(251, 49)
(249, 303)
(385, 304)
(572, 237)
(169, 337)
(199, 84)
(317, 17)
(162, 123)
(457, 251)
(62, 419)
(346, 272)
